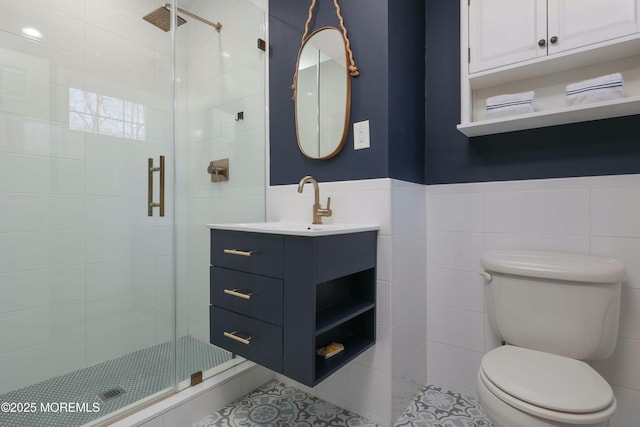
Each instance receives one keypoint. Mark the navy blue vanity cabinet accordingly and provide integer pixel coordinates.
(330, 296)
(246, 288)
(275, 299)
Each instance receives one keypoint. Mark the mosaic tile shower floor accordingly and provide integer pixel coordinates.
(278, 405)
(141, 374)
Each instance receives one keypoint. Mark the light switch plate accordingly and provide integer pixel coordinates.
(361, 135)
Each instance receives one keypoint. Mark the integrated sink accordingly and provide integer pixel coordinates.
(296, 228)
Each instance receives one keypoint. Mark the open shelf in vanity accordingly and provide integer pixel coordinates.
(345, 313)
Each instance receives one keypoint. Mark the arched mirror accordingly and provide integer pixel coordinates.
(322, 94)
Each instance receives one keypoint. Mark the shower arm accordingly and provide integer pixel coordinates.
(216, 25)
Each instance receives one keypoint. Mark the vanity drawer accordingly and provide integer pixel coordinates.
(263, 343)
(257, 253)
(255, 296)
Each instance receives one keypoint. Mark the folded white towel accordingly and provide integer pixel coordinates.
(509, 104)
(509, 111)
(509, 98)
(601, 88)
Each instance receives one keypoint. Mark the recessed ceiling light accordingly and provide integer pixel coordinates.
(226, 55)
(32, 33)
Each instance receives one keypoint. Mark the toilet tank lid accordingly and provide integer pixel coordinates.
(555, 265)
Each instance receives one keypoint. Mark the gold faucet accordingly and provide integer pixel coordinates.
(318, 211)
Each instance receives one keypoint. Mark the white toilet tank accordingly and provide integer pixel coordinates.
(560, 303)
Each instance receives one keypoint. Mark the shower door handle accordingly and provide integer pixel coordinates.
(151, 204)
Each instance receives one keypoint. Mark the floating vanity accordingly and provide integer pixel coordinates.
(280, 291)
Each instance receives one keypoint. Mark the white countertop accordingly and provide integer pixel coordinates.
(296, 228)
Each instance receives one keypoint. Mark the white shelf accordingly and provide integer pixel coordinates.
(559, 116)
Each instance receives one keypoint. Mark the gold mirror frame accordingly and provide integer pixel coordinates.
(311, 146)
(351, 69)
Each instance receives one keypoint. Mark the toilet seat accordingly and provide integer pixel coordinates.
(547, 386)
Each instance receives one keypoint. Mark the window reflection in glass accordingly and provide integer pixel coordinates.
(105, 115)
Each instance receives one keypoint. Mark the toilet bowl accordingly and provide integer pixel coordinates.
(519, 387)
(555, 310)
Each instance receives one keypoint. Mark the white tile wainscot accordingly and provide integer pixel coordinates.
(381, 382)
(596, 215)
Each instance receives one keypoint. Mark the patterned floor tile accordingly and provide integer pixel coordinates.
(437, 407)
(277, 405)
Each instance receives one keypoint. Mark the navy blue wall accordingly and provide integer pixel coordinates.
(602, 147)
(396, 120)
(388, 39)
(406, 90)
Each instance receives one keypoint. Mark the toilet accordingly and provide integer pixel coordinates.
(553, 311)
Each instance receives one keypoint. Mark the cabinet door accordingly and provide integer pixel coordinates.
(503, 32)
(578, 23)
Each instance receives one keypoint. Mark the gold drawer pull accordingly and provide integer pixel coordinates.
(238, 252)
(235, 293)
(233, 335)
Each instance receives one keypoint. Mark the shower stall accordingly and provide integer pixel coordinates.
(104, 302)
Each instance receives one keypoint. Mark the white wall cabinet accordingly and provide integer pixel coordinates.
(577, 23)
(503, 32)
(510, 46)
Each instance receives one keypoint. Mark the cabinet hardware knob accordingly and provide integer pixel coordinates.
(542, 42)
(553, 39)
(236, 293)
(233, 335)
(238, 252)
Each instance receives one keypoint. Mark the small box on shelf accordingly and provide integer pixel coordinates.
(330, 350)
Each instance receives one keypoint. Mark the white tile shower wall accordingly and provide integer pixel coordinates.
(225, 74)
(380, 382)
(75, 238)
(597, 215)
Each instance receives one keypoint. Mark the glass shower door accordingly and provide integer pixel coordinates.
(220, 115)
(97, 299)
(86, 277)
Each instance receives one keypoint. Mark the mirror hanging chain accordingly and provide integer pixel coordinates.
(353, 70)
